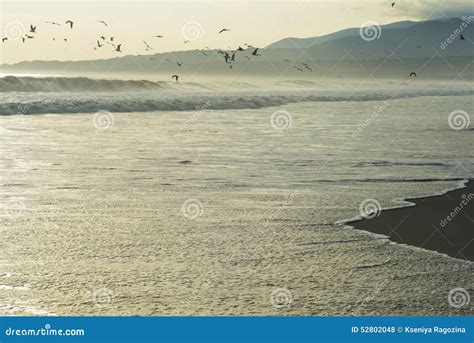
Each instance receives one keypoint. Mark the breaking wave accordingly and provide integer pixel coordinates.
(32, 95)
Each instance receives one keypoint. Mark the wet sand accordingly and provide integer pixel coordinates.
(442, 223)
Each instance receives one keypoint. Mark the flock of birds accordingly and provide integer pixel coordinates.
(228, 56)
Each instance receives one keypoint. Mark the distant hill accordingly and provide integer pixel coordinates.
(399, 49)
(304, 43)
(421, 40)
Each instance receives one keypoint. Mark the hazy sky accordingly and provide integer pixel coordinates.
(130, 22)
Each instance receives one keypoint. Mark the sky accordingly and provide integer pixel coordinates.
(258, 23)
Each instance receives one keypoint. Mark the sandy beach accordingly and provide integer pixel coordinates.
(442, 223)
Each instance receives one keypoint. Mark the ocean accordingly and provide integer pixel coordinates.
(155, 198)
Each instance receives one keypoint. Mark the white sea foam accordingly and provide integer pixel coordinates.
(33, 95)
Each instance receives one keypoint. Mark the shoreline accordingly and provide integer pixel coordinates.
(441, 222)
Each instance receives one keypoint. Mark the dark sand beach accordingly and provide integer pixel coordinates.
(442, 223)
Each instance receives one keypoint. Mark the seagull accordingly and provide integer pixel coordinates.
(4, 39)
(254, 53)
(30, 37)
(32, 29)
(158, 36)
(117, 48)
(240, 48)
(99, 45)
(223, 30)
(176, 77)
(103, 22)
(226, 57)
(111, 39)
(147, 46)
(102, 37)
(52, 23)
(412, 74)
(462, 37)
(71, 23)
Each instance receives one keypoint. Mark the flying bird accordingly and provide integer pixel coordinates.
(71, 23)
(176, 77)
(223, 30)
(32, 29)
(117, 48)
(240, 48)
(233, 57)
(179, 64)
(147, 46)
(52, 23)
(412, 74)
(393, 4)
(254, 53)
(30, 37)
(4, 39)
(309, 68)
(99, 45)
(103, 22)
(462, 37)
(226, 57)
(158, 36)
